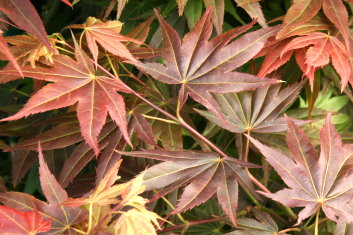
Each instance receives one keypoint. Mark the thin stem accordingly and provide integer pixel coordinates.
(111, 64)
(317, 222)
(290, 230)
(247, 147)
(90, 215)
(320, 222)
(309, 220)
(160, 119)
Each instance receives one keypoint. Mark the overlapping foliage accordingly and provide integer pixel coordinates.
(266, 93)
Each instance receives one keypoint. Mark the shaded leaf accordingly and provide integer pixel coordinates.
(61, 136)
(22, 161)
(263, 224)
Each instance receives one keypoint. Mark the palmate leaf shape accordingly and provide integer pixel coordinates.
(4, 47)
(30, 49)
(302, 11)
(204, 173)
(255, 111)
(75, 81)
(14, 221)
(107, 34)
(201, 66)
(62, 218)
(263, 224)
(25, 16)
(315, 181)
(313, 50)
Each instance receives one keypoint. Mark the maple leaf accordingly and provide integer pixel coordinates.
(6, 50)
(253, 9)
(67, 2)
(110, 139)
(24, 15)
(321, 47)
(75, 81)
(205, 173)
(107, 34)
(313, 50)
(299, 13)
(325, 180)
(30, 49)
(140, 33)
(255, 111)
(263, 224)
(62, 218)
(201, 66)
(14, 221)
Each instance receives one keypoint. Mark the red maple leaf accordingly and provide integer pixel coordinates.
(75, 81)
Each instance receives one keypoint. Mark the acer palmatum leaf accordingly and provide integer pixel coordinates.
(107, 34)
(25, 16)
(75, 81)
(320, 48)
(67, 2)
(201, 66)
(256, 111)
(337, 13)
(4, 48)
(300, 12)
(263, 224)
(253, 8)
(30, 49)
(13, 221)
(204, 173)
(315, 181)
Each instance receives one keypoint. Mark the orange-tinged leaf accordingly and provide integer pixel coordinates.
(274, 58)
(30, 49)
(14, 221)
(325, 180)
(107, 34)
(23, 14)
(121, 5)
(75, 81)
(320, 48)
(4, 48)
(300, 12)
(337, 13)
(67, 2)
(253, 9)
(62, 218)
